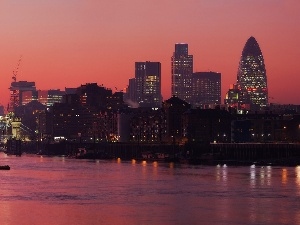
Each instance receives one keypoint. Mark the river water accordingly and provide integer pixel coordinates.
(59, 190)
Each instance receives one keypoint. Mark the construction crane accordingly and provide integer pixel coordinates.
(15, 72)
(14, 92)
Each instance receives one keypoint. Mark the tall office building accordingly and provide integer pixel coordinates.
(182, 70)
(16, 90)
(148, 84)
(129, 96)
(206, 89)
(49, 97)
(251, 76)
(29, 96)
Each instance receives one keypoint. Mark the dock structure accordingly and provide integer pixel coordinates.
(13, 147)
(258, 152)
(114, 150)
(200, 153)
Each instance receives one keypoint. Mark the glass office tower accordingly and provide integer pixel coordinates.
(251, 76)
(182, 70)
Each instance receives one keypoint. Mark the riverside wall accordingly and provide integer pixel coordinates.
(200, 153)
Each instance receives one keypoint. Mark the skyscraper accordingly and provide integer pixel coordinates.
(16, 90)
(206, 89)
(251, 75)
(182, 70)
(49, 97)
(148, 84)
(29, 96)
(130, 95)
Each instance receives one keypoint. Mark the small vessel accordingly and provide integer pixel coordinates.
(5, 167)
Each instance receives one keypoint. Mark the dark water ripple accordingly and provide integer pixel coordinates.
(111, 192)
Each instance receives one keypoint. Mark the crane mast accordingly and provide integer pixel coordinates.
(14, 91)
(15, 72)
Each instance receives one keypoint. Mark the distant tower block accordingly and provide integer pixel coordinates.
(148, 84)
(16, 90)
(182, 71)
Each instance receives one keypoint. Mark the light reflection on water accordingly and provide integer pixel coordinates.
(252, 176)
(297, 181)
(284, 176)
(55, 190)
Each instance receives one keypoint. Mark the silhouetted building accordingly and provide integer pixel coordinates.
(206, 89)
(148, 84)
(130, 95)
(74, 121)
(207, 125)
(124, 125)
(147, 125)
(93, 95)
(108, 126)
(182, 70)
(259, 128)
(71, 99)
(70, 91)
(1, 110)
(284, 108)
(115, 101)
(173, 109)
(45, 125)
(90, 115)
(29, 114)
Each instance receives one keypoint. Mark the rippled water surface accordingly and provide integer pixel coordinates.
(58, 190)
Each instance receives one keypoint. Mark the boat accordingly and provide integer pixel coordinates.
(5, 167)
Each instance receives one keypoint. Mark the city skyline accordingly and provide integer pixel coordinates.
(66, 44)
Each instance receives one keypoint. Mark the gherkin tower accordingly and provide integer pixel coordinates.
(251, 76)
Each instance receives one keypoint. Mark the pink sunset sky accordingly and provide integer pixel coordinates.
(66, 43)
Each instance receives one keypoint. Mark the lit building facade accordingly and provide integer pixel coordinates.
(251, 75)
(237, 99)
(206, 89)
(182, 70)
(16, 90)
(148, 84)
(147, 126)
(28, 96)
(49, 97)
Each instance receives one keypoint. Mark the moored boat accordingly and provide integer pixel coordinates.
(5, 167)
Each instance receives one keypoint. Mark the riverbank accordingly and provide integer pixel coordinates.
(285, 154)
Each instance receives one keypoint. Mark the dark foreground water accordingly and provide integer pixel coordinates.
(57, 190)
